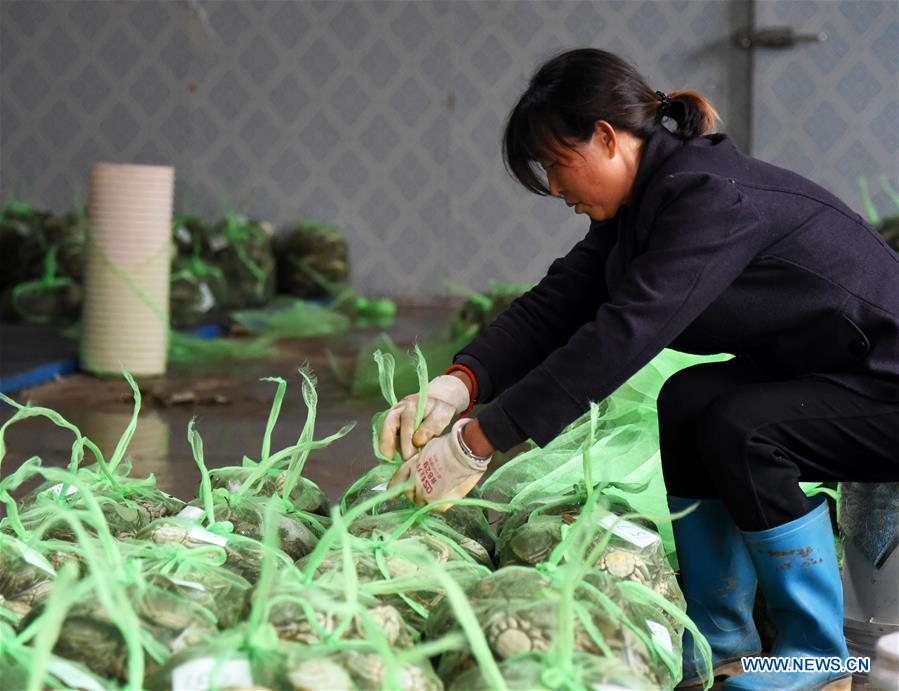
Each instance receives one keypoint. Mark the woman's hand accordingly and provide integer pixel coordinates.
(448, 395)
(444, 469)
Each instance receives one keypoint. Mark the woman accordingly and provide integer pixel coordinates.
(695, 246)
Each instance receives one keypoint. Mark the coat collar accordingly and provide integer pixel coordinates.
(656, 150)
(660, 145)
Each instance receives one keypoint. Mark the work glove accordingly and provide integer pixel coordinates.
(447, 396)
(444, 469)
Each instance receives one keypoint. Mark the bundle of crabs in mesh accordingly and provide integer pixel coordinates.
(258, 583)
(41, 264)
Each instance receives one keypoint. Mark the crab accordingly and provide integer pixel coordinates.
(319, 673)
(624, 564)
(369, 669)
(391, 623)
(510, 635)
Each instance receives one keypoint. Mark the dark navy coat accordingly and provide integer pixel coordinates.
(714, 252)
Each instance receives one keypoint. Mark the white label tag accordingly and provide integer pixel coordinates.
(380, 488)
(56, 489)
(660, 635)
(207, 300)
(188, 584)
(190, 513)
(203, 535)
(219, 242)
(36, 559)
(630, 532)
(71, 676)
(197, 675)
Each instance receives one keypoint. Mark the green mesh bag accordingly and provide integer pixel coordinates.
(51, 298)
(243, 555)
(253, 655)
(390, 565)
(22, 243)
(26, 576)
(393, 571)
(128, 504)
(468, 522)
(198, 286)
(242, 249)
(66, 234)
(519, 610)
(309, 252)
(193, 573)
(190, 235)
(191, 291)
(566, 606)
(414, 523)
(311, 614)
(119, 625)
(633, 551)
(89, 634)
(625, 451)
(480, 309)
(49, 251)
(299, 532)
(541, 672)
(305, 496)
(26, 658)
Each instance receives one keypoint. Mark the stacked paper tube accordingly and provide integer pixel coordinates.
(126, 292)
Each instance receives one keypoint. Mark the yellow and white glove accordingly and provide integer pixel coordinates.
(447, 396)
(444, 469)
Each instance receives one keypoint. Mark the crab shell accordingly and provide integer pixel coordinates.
(511, 635)
(622, 563)
(319, 674)
(369, 669)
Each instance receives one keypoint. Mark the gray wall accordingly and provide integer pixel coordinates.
(830, 110)
(381, 117)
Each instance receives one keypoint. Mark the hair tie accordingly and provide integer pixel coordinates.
(665, 102)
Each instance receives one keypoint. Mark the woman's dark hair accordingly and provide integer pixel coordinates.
(570, 92)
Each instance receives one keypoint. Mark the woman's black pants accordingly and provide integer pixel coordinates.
(729, 431)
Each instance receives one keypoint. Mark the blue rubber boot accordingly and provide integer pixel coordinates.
(719, 585)
(798, 573)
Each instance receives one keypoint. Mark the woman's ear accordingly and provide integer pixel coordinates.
(604, 135)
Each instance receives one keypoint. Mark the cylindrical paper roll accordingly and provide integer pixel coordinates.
(126, 288)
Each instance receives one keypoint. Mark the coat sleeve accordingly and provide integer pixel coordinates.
(703, 234)
(542, 319)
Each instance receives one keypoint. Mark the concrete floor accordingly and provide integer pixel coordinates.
(231, 406)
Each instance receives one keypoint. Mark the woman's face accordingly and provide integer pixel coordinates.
(595, 177)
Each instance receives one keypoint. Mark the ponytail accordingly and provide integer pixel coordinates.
(692, 112)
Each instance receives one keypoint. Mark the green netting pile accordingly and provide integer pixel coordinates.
(313, 258)
(286, 317)
(41, 264)
(242, 249)
(197, 285)
(257, 582)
